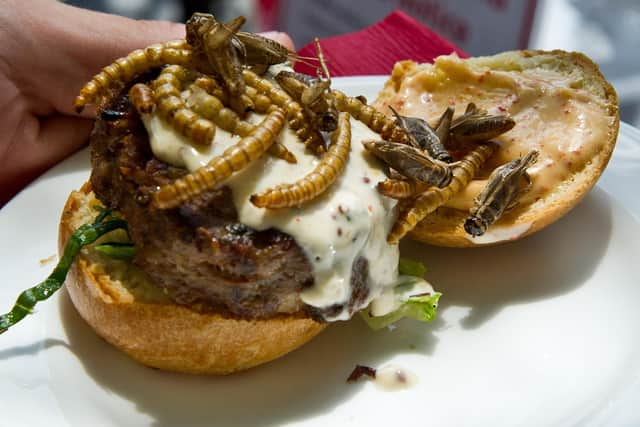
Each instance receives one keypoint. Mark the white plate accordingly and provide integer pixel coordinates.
(538, 332)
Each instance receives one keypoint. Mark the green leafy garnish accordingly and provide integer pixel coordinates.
(117, 250)
(409, 267)
(418, 307)
(83, 236)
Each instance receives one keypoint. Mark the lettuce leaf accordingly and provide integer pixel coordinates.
(410, 267)
(418, 307)
(421, 306)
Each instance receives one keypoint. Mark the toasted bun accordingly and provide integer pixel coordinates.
(122, 305)
(444, 227)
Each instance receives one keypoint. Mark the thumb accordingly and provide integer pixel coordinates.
(93, 40)
(49, 49)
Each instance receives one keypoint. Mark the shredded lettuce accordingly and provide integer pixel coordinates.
(410, 267)
(420, 307)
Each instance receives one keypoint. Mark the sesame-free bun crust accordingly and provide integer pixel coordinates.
(444, 227)
(120, 304)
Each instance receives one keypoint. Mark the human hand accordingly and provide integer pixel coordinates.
(49, 51)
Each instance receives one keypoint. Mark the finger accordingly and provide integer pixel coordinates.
(60, 136)
(282, 38)
(30, 156)
(74, 44)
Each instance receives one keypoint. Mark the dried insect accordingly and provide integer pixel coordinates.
(319, 108)
(401, 188)
(214, 110)
(501, 193)
(212, 87)
(422, 136)
(280, 151)
(214, 53)
(297, 121)
(411, 162)
(210, 107)
(313, 94)
(167, 89)
(259, 53)
(373, 119)
(362, 99)
(141, 97)
(476, 125)
(443, 126)
(433, 198)
(261, 102)
(222, 167)
(123, 70)
(316, 182)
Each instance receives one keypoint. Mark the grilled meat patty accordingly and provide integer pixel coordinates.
(198, 253)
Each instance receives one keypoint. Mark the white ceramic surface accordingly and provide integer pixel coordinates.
(539, 332)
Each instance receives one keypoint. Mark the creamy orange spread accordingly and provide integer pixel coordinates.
(567, 124)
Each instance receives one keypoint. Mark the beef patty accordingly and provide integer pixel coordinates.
(198, 253)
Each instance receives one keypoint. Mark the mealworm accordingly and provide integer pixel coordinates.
(211, 108)
(261, 102)
(124, 69)
(297, 121)
(433, 198)
(142, 98)
(373, 119)
(316, 182)
(222, 167)
(167, 89)
(401, 188)
(212, 87)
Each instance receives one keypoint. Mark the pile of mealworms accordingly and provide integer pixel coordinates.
(213, 79)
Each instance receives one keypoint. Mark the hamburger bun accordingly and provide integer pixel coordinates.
(575, 77)
(125, 308)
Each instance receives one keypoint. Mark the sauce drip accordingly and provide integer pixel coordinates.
(393, 378)
(350, 220)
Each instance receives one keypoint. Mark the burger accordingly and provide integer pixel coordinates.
(247, 211)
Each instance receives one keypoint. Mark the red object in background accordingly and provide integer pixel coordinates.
(268, 16)
(375, 49)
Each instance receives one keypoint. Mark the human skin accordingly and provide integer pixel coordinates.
(48, 50)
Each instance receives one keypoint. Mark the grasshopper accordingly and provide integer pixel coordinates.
(422, 136)
(314, 95)
(411, 162)
(501, 194)
(476, 125)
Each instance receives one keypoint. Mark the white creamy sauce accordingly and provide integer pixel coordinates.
(392, 298)
(393, 378)
(350, 220)
(497, 233)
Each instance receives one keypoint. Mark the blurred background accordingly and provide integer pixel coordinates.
(606, 30)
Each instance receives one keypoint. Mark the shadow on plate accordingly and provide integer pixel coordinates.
(305, 383)
(31, 349)
(552, 262)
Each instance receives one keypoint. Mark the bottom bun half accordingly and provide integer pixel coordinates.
(118, 301)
